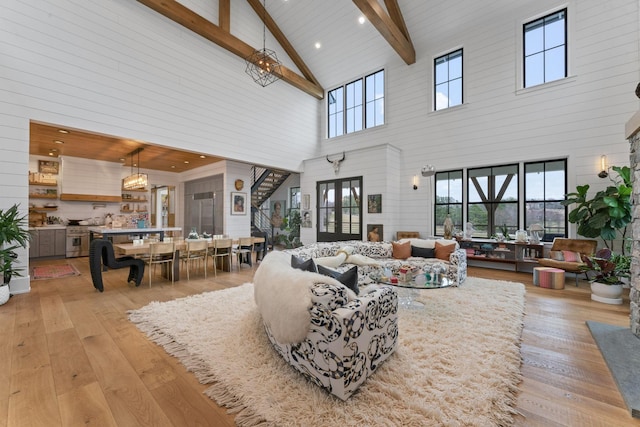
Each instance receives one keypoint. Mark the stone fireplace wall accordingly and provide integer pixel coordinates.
(634, 293)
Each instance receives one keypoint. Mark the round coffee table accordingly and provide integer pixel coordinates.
(409, 290)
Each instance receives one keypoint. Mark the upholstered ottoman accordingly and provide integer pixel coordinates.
(548, 277)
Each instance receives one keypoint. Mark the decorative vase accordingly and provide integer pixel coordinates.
(4, 293)
(448, 227)
(608, 294)
(193, 234)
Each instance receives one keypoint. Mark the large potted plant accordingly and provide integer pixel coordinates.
(606, 272)
(607, 214)
(14, 234)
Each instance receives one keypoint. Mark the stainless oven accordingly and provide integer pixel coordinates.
(77, 241)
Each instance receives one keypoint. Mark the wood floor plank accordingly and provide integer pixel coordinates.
(130, 402)
(86, 406)
(54, 314)
(69, 362)
(136, 383)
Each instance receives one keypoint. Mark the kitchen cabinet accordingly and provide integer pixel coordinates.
(48, 243)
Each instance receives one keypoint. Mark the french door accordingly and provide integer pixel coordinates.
(339, 209)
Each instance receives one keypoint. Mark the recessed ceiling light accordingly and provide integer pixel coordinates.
(361, 20)
(186, 162)
(122, 159)
(203, 157)
(57, 141)
(318, 45)
(51, 154)
(63, 131)
(173, 166)
(54, 150)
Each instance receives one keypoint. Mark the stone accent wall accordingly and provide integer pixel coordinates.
(634, 293)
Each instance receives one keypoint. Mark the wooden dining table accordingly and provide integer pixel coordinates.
(131, 249)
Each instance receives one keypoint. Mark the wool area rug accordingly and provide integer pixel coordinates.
(54, 271)
(457, 361)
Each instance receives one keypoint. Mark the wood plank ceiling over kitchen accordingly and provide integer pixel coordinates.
(47, 140)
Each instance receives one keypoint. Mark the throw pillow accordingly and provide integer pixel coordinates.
(571, 256)
(349, 278)
(444, 251)
(423, 252)
(401, 250)
(300, 264)
(556, 255)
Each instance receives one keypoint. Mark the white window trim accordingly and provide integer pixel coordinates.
(519, 37)
(325, 109)
(432, 70)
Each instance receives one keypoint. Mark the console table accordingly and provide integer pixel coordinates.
(516, 253)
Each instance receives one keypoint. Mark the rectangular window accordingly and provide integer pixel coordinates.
(545, 49)
(335, 100)
(493, 199)
(356, 105)
(447, 71)
(448, 200)
(545, 187)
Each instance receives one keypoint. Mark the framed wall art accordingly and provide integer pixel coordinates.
(305, 218)
(238, 203)
(375, 203)
(375, 233)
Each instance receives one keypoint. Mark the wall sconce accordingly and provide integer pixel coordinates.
(603, 167)
(415, 182)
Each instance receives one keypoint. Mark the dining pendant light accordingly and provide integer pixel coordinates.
(135, 181)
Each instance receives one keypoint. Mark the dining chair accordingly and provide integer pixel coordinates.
(244, 251)
(221, 249)
(196, 252)
(161, 253)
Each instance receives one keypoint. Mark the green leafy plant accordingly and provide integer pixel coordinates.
(607, 267)
(292, 226)
(14, 234)
(608, 213)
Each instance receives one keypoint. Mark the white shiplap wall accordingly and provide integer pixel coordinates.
(578, 118)
(120, 68)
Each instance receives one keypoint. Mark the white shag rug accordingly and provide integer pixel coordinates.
(457, 361)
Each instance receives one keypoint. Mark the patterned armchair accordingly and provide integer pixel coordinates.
(348, 336)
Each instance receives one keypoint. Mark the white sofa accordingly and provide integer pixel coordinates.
(454, 268)
(321, 328)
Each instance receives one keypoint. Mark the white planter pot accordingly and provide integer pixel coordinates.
(4, 294)
(608, 294)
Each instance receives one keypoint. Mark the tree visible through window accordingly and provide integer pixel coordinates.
(545, 187)
(545, 49)
(493, 199)
(448, 200)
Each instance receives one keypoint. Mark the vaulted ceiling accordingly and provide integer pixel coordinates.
(334, 24)
(387, 20)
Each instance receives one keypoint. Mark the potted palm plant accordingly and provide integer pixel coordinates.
(606, 272)
(14, 234)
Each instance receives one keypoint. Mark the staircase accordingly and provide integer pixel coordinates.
(264, 182)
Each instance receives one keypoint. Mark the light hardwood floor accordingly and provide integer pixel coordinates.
(70, 357)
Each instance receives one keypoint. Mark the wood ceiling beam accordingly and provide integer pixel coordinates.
(389, 29)
(396, 16)
(282, 39)
(187, 18)
(224, 15)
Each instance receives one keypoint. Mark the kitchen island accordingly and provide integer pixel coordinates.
(106, 232)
